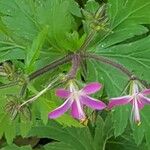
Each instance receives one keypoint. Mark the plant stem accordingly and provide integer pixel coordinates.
(99, 12)
(23, 89)
(63, 60)
(50, 66)
(45, 69)
(116, 65)
(75, 65)
(8, 85)
(104, 144)
(112, 63)
(87, 41)
(40, 93)
(70, 75)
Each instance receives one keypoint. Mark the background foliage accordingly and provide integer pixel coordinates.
(34, 33)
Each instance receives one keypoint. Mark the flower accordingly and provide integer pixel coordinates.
(136, 99)
(76, 99)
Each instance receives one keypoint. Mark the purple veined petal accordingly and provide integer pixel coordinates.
(63, 93)
(93, 103)
(77, 110)
(146, 92)
(92, 88)
(119, 101)
(143, 99)
(136, 113)
(61, 109)
(139, 102)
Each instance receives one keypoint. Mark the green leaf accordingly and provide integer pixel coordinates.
(121, 116)
(10, 131)
(13, 54)
(19, 18)
(75, 138)
(134, 56)
(125, 19)
(14, 147)
(124, 142)
(138, 133)
(3, 122)
(74, 8)
(56, 14)
(129, 12)
(122, 34)
(45, 106)
(145, 125)
(91, 6)
(103, 131)
(19, 28)
(34, 52)
(58, 146)
(8, 128)
(107, 75)
(3, 28)
(25, 122)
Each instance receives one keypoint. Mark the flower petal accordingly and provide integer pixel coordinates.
(136, 112)
(61, 109)
(93, 103)
(62, 93)
(92, 88)
(140, 103)
(77, 110)
(146, 92)
(119, 101)
(145, 100)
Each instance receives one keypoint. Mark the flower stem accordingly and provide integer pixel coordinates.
(104, 144)
(41, 92)
(91, 35)
(87, 41)
(75, 65)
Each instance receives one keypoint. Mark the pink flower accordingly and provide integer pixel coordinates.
(136, 99)
(76, 99)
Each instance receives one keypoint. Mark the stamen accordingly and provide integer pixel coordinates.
(138, 123)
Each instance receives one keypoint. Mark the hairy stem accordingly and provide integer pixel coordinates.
(75, 65)
(8, 85)
(120, 67)
(23, 89)
(70, 75)
(87, 41)
(45, 69)
(99, 13)
(112, 63)
(50, 66)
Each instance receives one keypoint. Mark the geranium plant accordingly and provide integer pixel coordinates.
(75, 74)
